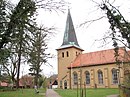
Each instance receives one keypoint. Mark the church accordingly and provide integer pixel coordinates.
(92, 70)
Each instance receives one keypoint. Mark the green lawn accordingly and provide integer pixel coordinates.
(89, 92)
(22, 93)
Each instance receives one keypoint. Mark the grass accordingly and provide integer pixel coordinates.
(22, 93)
(89, 92)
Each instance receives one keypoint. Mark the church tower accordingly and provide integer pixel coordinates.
(67, 52)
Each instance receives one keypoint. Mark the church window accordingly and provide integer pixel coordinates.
(62, 54)
(67, 53)
(60, 84)
(87, 74)
(100, 77)
(76, 54)
(114, 76)
(65, 84)
(75, 78)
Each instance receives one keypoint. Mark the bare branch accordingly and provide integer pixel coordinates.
(91, 21)
(52, 5)
(95, 2)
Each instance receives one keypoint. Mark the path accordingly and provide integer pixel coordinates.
(51, 93)
(116, 95)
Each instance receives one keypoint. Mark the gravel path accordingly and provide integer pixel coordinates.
(51, 93)
(113, 95)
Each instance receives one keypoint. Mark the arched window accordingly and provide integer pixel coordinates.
(100, 77)
(76, 53)
(75, 78)
(62, 54)
(114, 76)
(65, 84)
(87, 74)
(60, 84)
(67, 53)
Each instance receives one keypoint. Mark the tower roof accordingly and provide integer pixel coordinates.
(70, 38)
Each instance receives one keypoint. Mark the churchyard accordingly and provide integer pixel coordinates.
(62, 92)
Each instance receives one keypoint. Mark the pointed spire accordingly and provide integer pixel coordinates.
(70, 38)
(69, 34)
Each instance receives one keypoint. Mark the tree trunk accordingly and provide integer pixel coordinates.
(19, 60)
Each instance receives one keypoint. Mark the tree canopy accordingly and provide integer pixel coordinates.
(19, 34)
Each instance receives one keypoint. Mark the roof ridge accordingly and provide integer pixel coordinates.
(102, 50)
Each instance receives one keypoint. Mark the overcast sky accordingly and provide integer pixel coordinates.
(81, 11)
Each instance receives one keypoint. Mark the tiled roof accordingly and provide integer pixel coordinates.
(98, 58)
(4, 84)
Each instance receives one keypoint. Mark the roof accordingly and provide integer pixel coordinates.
(70, 45)
(52, 79)
(98, 58)
(4, 84)
(69, 38)
(20, 84)
(55, 82)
